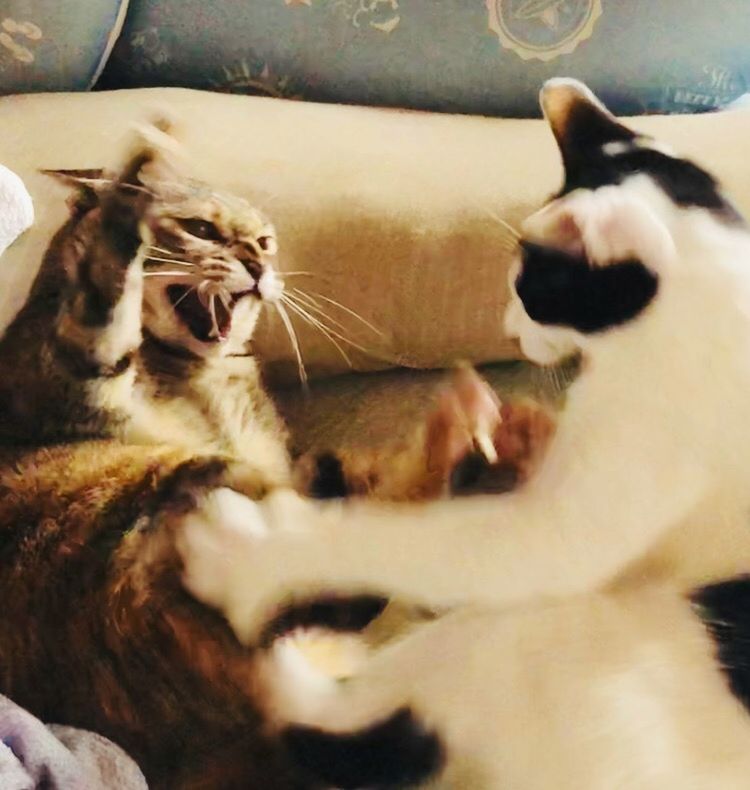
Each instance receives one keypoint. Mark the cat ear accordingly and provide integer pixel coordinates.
(87, 183)
(582, 125)
(157, 156)
(91, 178)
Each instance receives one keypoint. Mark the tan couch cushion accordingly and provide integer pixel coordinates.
(393, 211)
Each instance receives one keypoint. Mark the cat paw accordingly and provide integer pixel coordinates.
(466, 416)
(238, 554)
(519, 441)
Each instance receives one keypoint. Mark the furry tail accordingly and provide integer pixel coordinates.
(395, 753)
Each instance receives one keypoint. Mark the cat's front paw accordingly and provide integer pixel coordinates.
(465, 418)
(241, 556)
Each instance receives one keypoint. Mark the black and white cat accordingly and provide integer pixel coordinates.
(641, 265)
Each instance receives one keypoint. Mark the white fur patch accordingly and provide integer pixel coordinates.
(212, 540)
(270, 285)
(234, 553)
(123, 332)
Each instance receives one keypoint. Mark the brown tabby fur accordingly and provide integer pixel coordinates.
(97, 631)
(107, 441)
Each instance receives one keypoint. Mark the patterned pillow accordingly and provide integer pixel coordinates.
(477, 56)
(53, 45)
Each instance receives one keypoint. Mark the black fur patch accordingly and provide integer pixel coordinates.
(328, 481)
(564, 290)
(352, 613)
(80, 365)
(97, 307)
(587, 128)
(395, 753)
(725, 609)
(685, 183)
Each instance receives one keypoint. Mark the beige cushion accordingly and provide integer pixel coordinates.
(393, 211)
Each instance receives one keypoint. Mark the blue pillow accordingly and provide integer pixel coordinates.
(56, 45)
(474, 56)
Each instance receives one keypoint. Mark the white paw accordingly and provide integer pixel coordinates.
(212, 536)
(292, 689)
(237, 553)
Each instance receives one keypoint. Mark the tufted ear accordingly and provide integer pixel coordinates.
(87, 184)
(91, 178)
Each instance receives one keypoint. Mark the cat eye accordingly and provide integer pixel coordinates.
(201, 229)
(267, 244)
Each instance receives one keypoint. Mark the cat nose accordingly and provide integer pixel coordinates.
(252, 266)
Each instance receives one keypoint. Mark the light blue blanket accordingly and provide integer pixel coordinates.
(34, 756)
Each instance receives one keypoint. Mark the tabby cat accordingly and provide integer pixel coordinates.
(624, 554)
(138, 326)
(127, 386)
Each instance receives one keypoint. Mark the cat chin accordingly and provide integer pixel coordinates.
(541, 345)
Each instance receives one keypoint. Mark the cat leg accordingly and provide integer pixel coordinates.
(623, 470)
(99, 325)
(610, 688)
(348, 737)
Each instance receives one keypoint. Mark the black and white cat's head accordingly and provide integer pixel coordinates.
(600, 255)
(207, 255)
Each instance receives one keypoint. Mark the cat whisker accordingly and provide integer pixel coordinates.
(294, 340)
(168, 274)
(132, 187)
(297, 274)
(319, 325)
(161, 250)
(346, 309)
(368, 351)
(503, 223)
(312, 304)
(170, 260)
(186, 294)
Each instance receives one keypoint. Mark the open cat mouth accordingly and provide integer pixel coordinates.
(197, 316)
